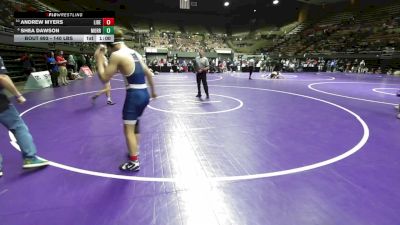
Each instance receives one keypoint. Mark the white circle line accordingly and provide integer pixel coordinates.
(353, 150)
(58, 99)
(198, 113)
(293, 76)
(310, 86)
(377, 90)
(173, 77)
(218, 78)
(330, 78)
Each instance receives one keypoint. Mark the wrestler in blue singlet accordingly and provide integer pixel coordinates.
(137, 96)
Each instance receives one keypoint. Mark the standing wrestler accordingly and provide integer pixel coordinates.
(128, 62)
(107, 86)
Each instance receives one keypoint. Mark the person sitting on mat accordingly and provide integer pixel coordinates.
(276, 72)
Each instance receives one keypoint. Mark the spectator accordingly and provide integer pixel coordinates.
(62, 68)
(9, 117)
(27, 64)
(361, 68)
(71, 65)
(53, 69)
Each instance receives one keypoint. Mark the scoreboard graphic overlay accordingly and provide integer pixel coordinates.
(64, 26)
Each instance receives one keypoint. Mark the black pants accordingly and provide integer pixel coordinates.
(202, 77)
(251, 69)
(54, 79)
(71, 68)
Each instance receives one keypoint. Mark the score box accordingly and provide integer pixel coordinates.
(108, 21)
(64, 26)
(104, 38)
(108, 30)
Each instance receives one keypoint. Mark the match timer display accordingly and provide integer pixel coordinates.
(64, 26)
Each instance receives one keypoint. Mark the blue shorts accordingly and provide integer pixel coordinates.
(135, 102)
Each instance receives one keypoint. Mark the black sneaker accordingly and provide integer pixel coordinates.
(110, 103)
(198, 96)
(94, 97)
(132, 166)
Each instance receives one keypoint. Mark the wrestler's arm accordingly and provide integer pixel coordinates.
(7, 83)
(107, 72)
(149, 76)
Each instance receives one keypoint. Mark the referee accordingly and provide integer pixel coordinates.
(251, 68)
(201, 68)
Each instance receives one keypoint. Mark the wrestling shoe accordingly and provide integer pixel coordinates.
(94, 97)
(130, 166)
(110, 103)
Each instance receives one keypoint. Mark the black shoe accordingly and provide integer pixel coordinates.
(110, 103)
(208, 97)
(130, 166)
(198, 96)
(93, 98)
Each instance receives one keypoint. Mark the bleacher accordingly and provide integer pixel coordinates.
(371, 15)
(166, 27)
(291, 28)
(11, 52)
(349, 32)
(196, 29)
(336, 19)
